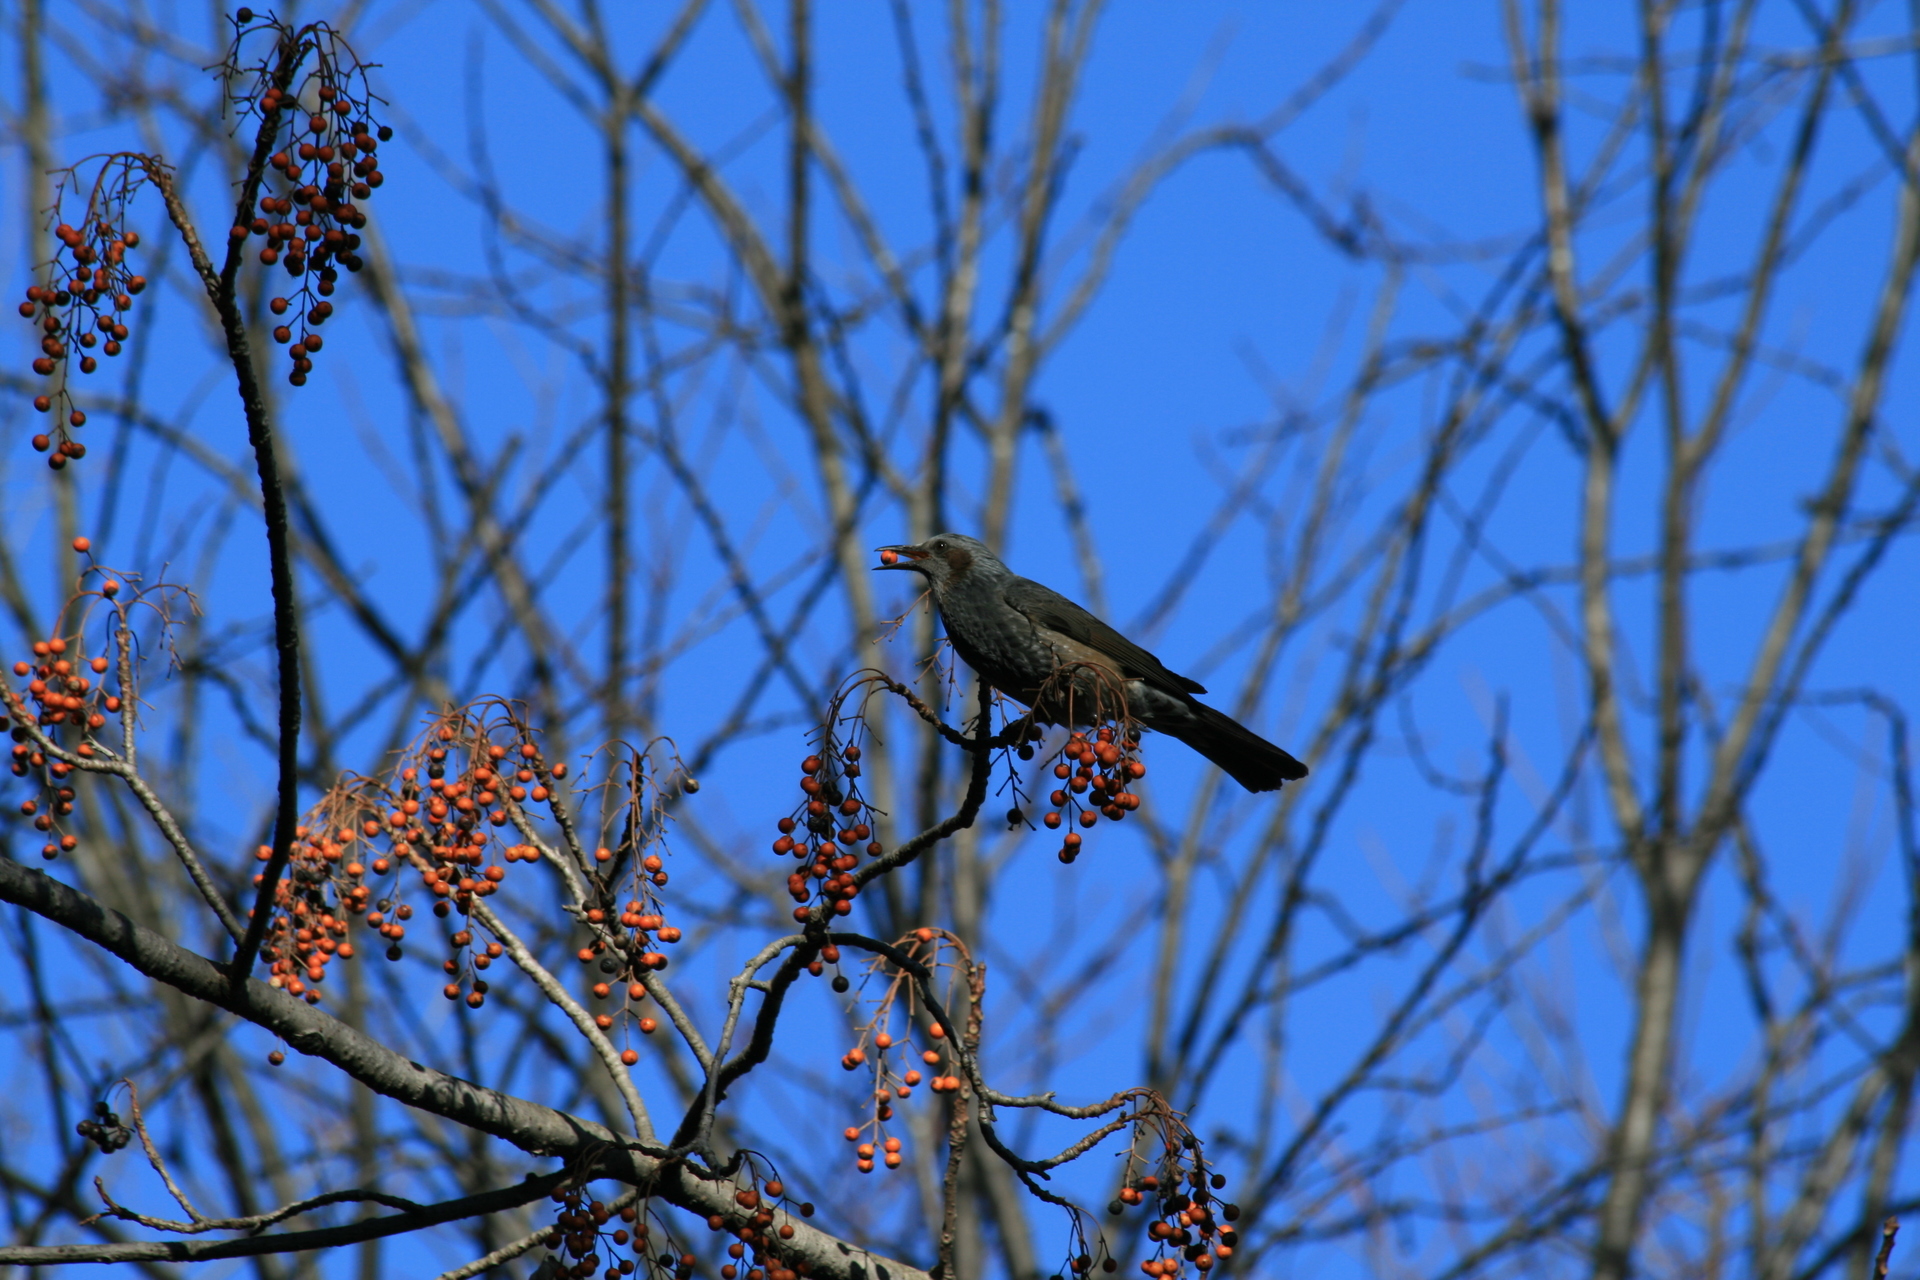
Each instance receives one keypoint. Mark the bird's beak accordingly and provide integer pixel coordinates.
(900, 557)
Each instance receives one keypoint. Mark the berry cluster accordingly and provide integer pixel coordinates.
(328, 167)
(314, 903)
(579, 1234)
(643, 925)
(627, 937)
(830, 822)
(1106, 765)
(443, 822)
(636, 994)
(88, 288)
(441, 811)
(59, 691)
(755, 1252)
(1186, 1226)
(69, 696)
(105, 1129)
(434, 816)
(870, 1138)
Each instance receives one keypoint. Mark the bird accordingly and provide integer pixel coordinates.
(1032, 643)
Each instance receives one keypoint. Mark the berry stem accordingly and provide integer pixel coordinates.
(273, 500)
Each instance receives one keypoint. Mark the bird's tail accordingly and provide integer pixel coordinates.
(1247, 758)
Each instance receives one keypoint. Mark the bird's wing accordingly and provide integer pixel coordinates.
(1047, 608)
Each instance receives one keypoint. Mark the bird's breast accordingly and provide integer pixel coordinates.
(1000, 644)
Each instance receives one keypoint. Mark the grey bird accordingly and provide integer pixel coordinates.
(1032, 643)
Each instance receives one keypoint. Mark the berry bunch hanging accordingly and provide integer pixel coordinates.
(60, 688)
(316, 166)
(319, 120)
(581, 1234)
(827, 829)
(931, 951)
(1096, 776)
(626, 937)
(1188, 1223)
(445, 811)
(432, 815)
(644, 923)
(459, 784)
(315, 903)
(105, 1129)
(756, 1252)
(67, 695)
(86, 289)
(436, 815)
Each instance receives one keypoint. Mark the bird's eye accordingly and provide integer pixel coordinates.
(940, 545)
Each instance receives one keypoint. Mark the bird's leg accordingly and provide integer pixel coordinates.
(1018, 732)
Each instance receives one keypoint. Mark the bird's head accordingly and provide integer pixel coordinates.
(943, 559)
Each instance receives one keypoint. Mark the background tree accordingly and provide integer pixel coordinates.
(1550, 490)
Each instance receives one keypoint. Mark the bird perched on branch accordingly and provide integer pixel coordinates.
(1034, 644)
